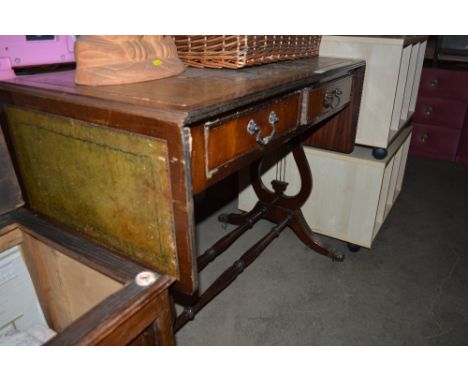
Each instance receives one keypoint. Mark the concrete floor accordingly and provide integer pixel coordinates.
(411, 288)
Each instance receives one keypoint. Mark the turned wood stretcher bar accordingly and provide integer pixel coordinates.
(120, 164)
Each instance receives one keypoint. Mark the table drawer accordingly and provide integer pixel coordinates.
(434, 141)
(326, 99)
(231, 137)
(439, 111)
(444, 83)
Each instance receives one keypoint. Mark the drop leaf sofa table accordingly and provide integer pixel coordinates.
(120, 165)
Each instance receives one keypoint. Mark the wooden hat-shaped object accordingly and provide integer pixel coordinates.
(113, 60)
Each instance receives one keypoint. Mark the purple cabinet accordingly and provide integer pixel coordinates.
(440, 119)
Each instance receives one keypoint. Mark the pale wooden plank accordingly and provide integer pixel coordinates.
(417, 76)
(393, 182)
(10, 237)
(66, 288)
(404, 158)
(410, 82)
(398, 102)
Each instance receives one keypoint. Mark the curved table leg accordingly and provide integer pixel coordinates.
(300, 227)
(281, 205)
(274, 206)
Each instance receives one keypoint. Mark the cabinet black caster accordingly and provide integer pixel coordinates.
(379, 153)
(353, 247)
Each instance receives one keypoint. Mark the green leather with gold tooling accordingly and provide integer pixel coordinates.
(109, 185)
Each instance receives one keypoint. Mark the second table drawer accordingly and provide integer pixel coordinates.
(326, 99)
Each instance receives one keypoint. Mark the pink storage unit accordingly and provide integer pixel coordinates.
(33, 50)
(440, 120)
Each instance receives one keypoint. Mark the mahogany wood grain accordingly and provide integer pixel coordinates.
(175, 110)
(196, 94)
(229, 140)
(163, 324)
(339, 132)
(121, 318)
(317, 98)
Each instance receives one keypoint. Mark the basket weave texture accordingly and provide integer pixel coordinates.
(236, 52)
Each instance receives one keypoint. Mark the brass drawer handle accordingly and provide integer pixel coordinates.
(424, 137)
(434, 82)
(428, 110)
(254, 129)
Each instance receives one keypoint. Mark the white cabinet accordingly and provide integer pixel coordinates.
(391, 83)
(352, 193)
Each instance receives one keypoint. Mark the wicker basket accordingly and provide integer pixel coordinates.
(239, 51)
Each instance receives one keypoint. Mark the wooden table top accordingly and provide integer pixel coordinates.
(196, 94)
